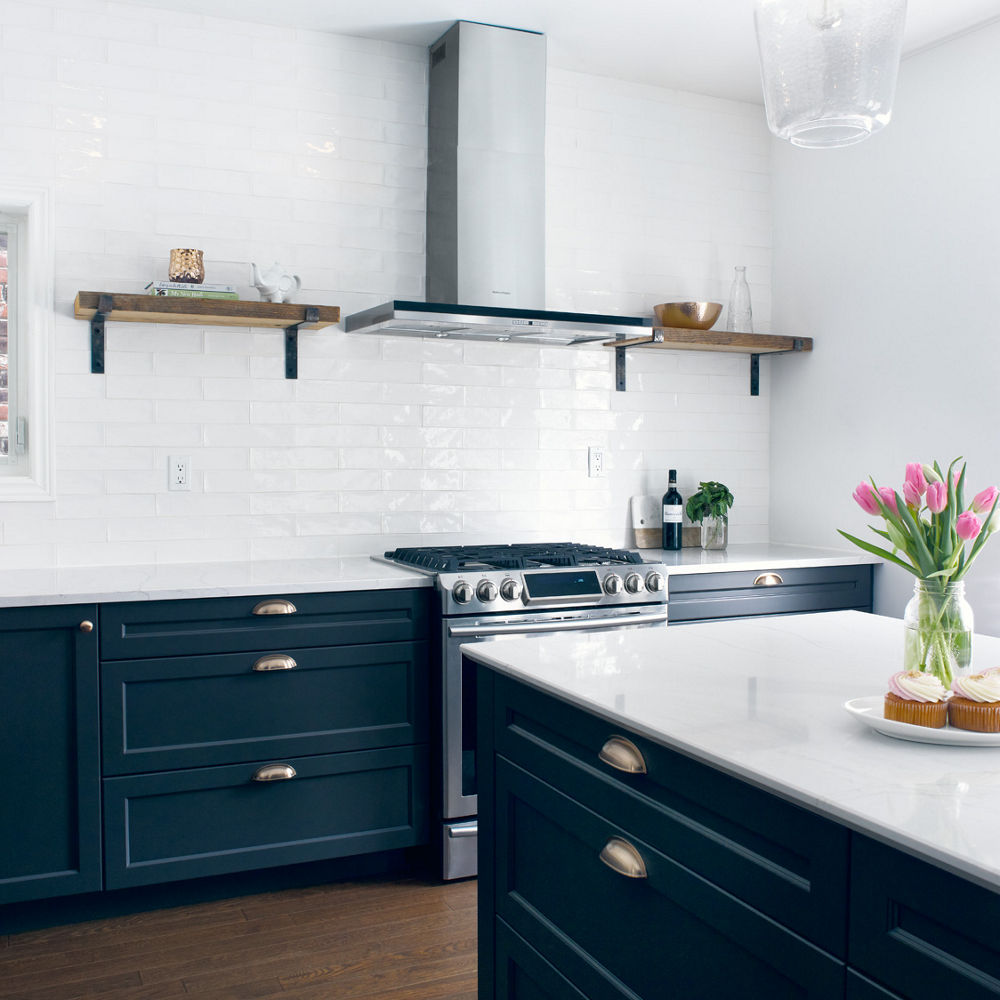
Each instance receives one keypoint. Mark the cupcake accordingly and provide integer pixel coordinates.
(975, 702)
(918, 699)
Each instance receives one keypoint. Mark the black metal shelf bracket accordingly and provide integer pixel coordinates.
(104, 307)
(754, 374)
(656, 337)
(292, 342)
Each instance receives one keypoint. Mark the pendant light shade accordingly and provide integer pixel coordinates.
(828, 67)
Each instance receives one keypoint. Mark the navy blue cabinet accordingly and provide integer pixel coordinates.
(50, 835)
(921, 932)
(679, 880)
(241, 733)
(742, 594)
(632, 885)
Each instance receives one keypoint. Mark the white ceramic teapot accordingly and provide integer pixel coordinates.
(275, 284)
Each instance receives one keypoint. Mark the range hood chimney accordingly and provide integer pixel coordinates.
(486, 201)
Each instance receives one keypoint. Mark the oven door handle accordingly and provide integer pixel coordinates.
(571, 625)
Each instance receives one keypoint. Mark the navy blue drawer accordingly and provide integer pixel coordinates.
(522, 974)
(195, 711)
(920, 931)
(208, 821)
(669, 932)
(782, 859)
(228, 624)
(706, 596)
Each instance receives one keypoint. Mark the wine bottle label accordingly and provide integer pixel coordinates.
(672, 513)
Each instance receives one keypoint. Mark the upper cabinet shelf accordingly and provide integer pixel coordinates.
(126, 308)
(673, 338)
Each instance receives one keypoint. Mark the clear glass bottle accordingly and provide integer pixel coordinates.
(937, 636)
(739, 319)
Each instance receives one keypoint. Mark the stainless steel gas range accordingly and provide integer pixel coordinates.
(499, 591)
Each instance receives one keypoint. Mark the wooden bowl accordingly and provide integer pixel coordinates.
(687, 315)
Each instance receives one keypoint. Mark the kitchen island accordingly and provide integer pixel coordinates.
(766, 831)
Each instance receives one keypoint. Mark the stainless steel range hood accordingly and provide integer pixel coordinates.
(524, 326)
(486, 201)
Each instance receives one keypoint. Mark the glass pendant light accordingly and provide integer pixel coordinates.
(828, 67)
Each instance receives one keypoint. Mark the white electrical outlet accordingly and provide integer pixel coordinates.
(595, 462)
(178, 472)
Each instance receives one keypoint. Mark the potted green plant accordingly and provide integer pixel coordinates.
(709, 507)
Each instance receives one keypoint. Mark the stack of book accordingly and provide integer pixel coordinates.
(188, 291)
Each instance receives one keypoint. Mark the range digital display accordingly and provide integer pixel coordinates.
(565, 583)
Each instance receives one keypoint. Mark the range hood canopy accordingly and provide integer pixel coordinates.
(523, 326)
(486, 201)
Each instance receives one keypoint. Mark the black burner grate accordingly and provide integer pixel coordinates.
(528, 555)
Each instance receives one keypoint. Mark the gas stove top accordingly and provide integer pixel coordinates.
(477, 579)
(529, 555)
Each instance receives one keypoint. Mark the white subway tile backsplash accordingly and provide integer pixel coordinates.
(157, 131)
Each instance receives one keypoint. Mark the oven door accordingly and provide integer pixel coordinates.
(458, 708)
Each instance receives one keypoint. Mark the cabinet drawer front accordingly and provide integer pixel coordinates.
(861, 988)
(522, 974)
(783, 860)
(228, 624)
(699, 596)
(194, 711)
(669, 927)
(207, 821)
(919, 930)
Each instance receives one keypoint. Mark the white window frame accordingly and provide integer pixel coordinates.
(29, 474)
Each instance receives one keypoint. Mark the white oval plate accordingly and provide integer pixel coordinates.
(869, 711)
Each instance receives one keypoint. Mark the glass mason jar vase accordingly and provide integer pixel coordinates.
(937, 630)
(714, 532)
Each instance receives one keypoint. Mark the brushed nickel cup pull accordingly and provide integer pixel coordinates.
(623, 755)
(274, 608)
(768, 580)
(274, 772)
(279, 661)
(621, 857)
(86, 626)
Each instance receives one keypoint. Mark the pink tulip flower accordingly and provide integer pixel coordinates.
(968, 526)
(888, 496)
(911, 495)
(865, 497)
(984, 499)
(937, 497)
(915, 479)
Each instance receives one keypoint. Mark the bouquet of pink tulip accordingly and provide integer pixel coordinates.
(940, 622)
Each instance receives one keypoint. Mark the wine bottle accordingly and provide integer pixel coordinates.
(673, 512)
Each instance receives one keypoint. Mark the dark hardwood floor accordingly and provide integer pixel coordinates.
(378, 939)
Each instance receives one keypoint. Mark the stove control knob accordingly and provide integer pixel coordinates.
(633, 583)
(486, 591)
(612, 584)
(462, 592)
(510, 590)
(654, 582)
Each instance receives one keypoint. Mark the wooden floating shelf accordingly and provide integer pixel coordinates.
(672, 338)
(98, 307)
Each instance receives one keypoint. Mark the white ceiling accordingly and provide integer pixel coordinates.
(704, 46)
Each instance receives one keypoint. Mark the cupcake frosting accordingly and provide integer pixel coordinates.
(982, 687)
(917, 686)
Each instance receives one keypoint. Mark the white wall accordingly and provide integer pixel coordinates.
(888, 254)
(260, 143)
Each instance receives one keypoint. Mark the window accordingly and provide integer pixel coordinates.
(8, 283)
(26, 322)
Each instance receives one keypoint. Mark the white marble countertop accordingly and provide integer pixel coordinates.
(753, 556)
(78, 584)
(71, 585)
(764, 699)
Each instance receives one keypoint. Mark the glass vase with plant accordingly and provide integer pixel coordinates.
(709, 507)
(929, 528)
